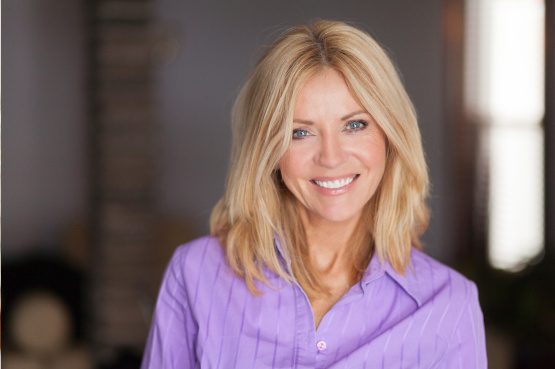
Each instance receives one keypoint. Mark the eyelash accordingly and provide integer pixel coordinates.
(297, 130)
(363, 125)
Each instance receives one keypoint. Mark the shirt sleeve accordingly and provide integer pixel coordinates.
(467, 346)
(170, 343)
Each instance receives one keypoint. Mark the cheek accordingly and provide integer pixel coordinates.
(378, 148)
(370, 154)
(376, 157)
(293, 165)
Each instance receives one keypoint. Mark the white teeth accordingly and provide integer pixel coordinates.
(338, 183)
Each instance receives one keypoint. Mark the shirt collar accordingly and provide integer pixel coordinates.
(407, 281)
(376, 269)
(277, 244)
(281, 253)
(285, 261)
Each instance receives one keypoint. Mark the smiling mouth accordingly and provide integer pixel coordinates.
(336, 183)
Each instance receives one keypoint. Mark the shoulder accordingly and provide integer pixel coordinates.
(433, 278)
(201, 254)
(203, 275)
(431, 273)
(442, 288)
(200, 248)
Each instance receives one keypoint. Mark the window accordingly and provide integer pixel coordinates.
(504, 96)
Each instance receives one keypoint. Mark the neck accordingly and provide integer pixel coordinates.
(328, 242)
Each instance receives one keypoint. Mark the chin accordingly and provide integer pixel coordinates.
(340, 216)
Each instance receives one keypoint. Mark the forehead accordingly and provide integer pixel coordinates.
(325, 94)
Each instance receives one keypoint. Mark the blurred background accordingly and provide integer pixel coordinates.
(115, 147)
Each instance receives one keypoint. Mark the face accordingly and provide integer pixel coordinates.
(337, 158)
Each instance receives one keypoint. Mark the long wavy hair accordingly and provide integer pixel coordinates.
(257, 208)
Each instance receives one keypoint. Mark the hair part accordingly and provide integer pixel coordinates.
(256, 206)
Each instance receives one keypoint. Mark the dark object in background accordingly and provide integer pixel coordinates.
(125, 358)
(522, 307)
(46, 273)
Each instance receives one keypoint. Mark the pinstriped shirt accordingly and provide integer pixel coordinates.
(205, 317)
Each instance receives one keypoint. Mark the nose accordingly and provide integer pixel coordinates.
(331, 151)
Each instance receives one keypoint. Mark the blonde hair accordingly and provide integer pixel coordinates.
(256, 206)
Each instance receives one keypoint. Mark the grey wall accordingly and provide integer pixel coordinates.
(219, 42)
(43, 122)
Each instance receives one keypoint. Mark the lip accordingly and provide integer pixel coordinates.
(334, 191)
(334, 178)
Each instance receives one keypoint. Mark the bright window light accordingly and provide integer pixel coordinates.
(505, 93)
(515, 197)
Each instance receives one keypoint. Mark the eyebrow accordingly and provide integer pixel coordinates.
(353, 114)
(309, 122)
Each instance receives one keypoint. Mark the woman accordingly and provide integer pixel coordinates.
(313, 260)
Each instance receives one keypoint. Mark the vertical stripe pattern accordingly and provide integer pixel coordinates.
(205, 317)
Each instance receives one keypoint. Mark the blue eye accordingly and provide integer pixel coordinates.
(356, 125)
(300, 133)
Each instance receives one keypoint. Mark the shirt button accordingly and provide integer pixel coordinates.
(321, 345)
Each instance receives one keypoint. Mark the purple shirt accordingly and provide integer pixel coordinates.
(206, 318)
